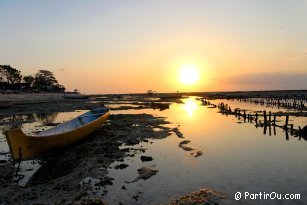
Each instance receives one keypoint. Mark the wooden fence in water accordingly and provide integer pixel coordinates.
(264, 119)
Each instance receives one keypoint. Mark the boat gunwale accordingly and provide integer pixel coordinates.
(73, 130)
(69, 121)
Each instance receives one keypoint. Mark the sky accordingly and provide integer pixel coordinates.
(131, 46)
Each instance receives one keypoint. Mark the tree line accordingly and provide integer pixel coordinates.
(43, 80)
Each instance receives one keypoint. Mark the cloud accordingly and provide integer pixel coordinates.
(300, 54)
(61, 69)
(268, 81)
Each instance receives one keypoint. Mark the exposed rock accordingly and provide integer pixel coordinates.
(121, 166)
(145, 173)
(186, 148)
(198, 153)
(184, 142)
(183, 145)
(146, 158)
(177, 132)
(3, 161)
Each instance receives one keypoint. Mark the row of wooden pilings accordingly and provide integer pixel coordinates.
(269, 119)
(278, 102)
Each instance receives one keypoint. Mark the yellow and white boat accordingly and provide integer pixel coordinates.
(24, 147)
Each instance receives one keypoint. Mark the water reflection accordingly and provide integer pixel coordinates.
(269, 129)
(46, 118)
(16, 120)
(190, 106)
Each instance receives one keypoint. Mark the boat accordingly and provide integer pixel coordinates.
(5, 104)
(24, 147)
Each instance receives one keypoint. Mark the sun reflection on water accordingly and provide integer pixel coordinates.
(190, 105)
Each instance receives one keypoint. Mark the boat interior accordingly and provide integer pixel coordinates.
(75, 123)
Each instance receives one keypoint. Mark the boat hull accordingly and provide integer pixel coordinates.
(24, 147)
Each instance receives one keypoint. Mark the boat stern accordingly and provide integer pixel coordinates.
(19, 144)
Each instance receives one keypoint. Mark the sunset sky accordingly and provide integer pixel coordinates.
(128, 46)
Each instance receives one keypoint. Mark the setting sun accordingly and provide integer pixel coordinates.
(188, 74)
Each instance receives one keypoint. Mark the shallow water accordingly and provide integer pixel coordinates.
(237, 157)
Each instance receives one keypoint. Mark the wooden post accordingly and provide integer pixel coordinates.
(287, 120)
(264, 117)
(274, 120)
(287, 135)
(270, 117)
(264, 129)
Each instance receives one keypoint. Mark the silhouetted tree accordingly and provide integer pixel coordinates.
(44, 80)
(60, 88)
(150, 92)
(28, 79)
(10, 75)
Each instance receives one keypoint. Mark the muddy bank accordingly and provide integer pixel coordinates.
(49, 107)
(251, 94)
(25, 104)
(79, 173)
(22, 98)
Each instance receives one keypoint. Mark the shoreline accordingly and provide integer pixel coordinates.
(38, 97)
(23, 98)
